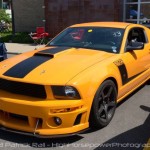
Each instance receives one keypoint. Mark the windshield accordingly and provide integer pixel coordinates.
(99, 38)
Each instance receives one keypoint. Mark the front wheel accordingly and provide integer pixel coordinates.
(104, 105)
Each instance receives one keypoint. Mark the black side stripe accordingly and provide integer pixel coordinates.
(26, 66)
(54, 50)
(131, 78)
(123, 72)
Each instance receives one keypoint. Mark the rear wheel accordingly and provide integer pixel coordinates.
(104, 105)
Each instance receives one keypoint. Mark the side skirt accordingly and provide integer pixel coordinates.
(128, 93)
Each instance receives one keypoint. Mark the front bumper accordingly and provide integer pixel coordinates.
(36, 116)
(40, 136)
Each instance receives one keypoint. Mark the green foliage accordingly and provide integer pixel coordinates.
(5, 37)
(4, 16)
(18, 38)
(22, 37)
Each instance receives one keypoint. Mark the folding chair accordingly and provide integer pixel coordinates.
(3, 52)
(39, 36)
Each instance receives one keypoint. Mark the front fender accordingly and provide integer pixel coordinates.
(88, 81)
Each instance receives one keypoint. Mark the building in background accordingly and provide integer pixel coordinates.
(6, 4)
(137, 11)
(55, 15)
(28, 14)
(62, 13)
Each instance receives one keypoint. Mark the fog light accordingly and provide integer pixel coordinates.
(57, 120)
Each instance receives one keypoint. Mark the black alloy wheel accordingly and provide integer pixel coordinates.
(104, 105)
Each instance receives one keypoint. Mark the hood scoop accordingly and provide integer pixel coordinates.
(44, 54)
(50, 52)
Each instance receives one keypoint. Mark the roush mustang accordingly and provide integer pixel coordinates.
(75, 81)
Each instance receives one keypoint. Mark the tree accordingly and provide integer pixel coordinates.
(4, 16)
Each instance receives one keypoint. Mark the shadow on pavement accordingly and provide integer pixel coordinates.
(135, 138)
(28, 141)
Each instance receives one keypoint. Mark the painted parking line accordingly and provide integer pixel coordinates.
(147, 145)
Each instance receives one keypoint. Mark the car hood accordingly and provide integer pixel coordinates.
(51, 65)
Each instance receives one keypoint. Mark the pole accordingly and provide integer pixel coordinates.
(13, 19)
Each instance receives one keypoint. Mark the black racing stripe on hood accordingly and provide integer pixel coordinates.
(21, 69)
(54, 50)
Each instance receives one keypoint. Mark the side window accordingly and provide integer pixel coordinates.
(137, 35)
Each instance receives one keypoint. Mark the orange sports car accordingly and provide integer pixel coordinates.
(75, 81)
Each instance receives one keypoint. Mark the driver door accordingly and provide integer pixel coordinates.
(136, 62)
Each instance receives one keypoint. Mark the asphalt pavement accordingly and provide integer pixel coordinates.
(129, 129)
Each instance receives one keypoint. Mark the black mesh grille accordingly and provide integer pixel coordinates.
(23, 88)
(19, 117)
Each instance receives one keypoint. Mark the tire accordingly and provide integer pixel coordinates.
(148, 82)
(104, 105)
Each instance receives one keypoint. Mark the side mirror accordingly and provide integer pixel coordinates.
(134, 45)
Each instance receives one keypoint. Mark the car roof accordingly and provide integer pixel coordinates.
(103, 24)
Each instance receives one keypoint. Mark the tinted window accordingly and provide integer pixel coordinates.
(99, 38)
(137, 34)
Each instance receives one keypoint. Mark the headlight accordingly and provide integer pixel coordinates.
(70, 91)
(65, 92)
